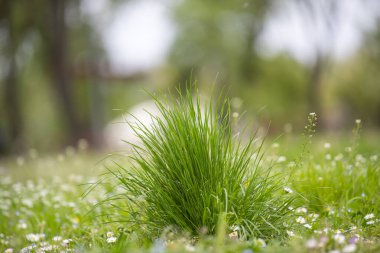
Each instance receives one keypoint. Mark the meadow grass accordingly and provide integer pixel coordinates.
(337, 184)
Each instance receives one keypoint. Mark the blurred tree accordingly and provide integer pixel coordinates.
(15, 24)
(358, 81)
(57, 60)
(280, 93)
(320, 18)
(55, 24)
(217, 38)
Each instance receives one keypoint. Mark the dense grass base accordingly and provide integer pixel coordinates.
(189, 169)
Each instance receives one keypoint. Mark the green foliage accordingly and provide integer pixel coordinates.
(218, 38)
(189, 169)
(280, 87)
(341, 185)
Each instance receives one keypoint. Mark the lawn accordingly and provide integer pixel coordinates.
(297, 193)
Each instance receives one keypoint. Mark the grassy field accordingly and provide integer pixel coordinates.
(42, 207)
(306, 194)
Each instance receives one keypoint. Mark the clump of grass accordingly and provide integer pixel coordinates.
(189, 169)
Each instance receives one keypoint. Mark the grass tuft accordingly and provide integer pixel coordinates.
(189, 170)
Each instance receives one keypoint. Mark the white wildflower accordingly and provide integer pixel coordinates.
(9, 250)
(301, 210)
(301, 220)
(35, 237)
(338, 157)
(260, 243)
(27, 202)
(371, 222)
(313, 216)
(57, 238)
(369, 216)
(327, 145)
(311, 243)
(189, 248)
(339, 238)
(66, 242)
(307, 226)
(349, 248)
(111, 239)
(22, 225)
(290, 233)
(288, 190)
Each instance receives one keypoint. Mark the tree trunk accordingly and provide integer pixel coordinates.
(12, 89)
(61, 78)
(13, 106)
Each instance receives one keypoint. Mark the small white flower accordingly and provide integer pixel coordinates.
(311, 243)
(66, 242)
(261, 243)
(339, 238)
(235, 114)
(312, 114)
(34, 237)
(10, 250)
(349, 248)
(338, 157)
(371, 222)
(189, 248)
(358, 121)
(369, 216)
(290, 233)
(109, 234)
(314, 216)
(301, 220)
(288, 190)
(307, 226)
(235, 228)
(57, 238)
(22, 225)
(327, 145)
(281, 159)
(111, 239)
(301, 210)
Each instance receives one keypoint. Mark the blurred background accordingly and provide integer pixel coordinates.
(69, 68)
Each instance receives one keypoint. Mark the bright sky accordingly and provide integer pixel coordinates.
(140, 33)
